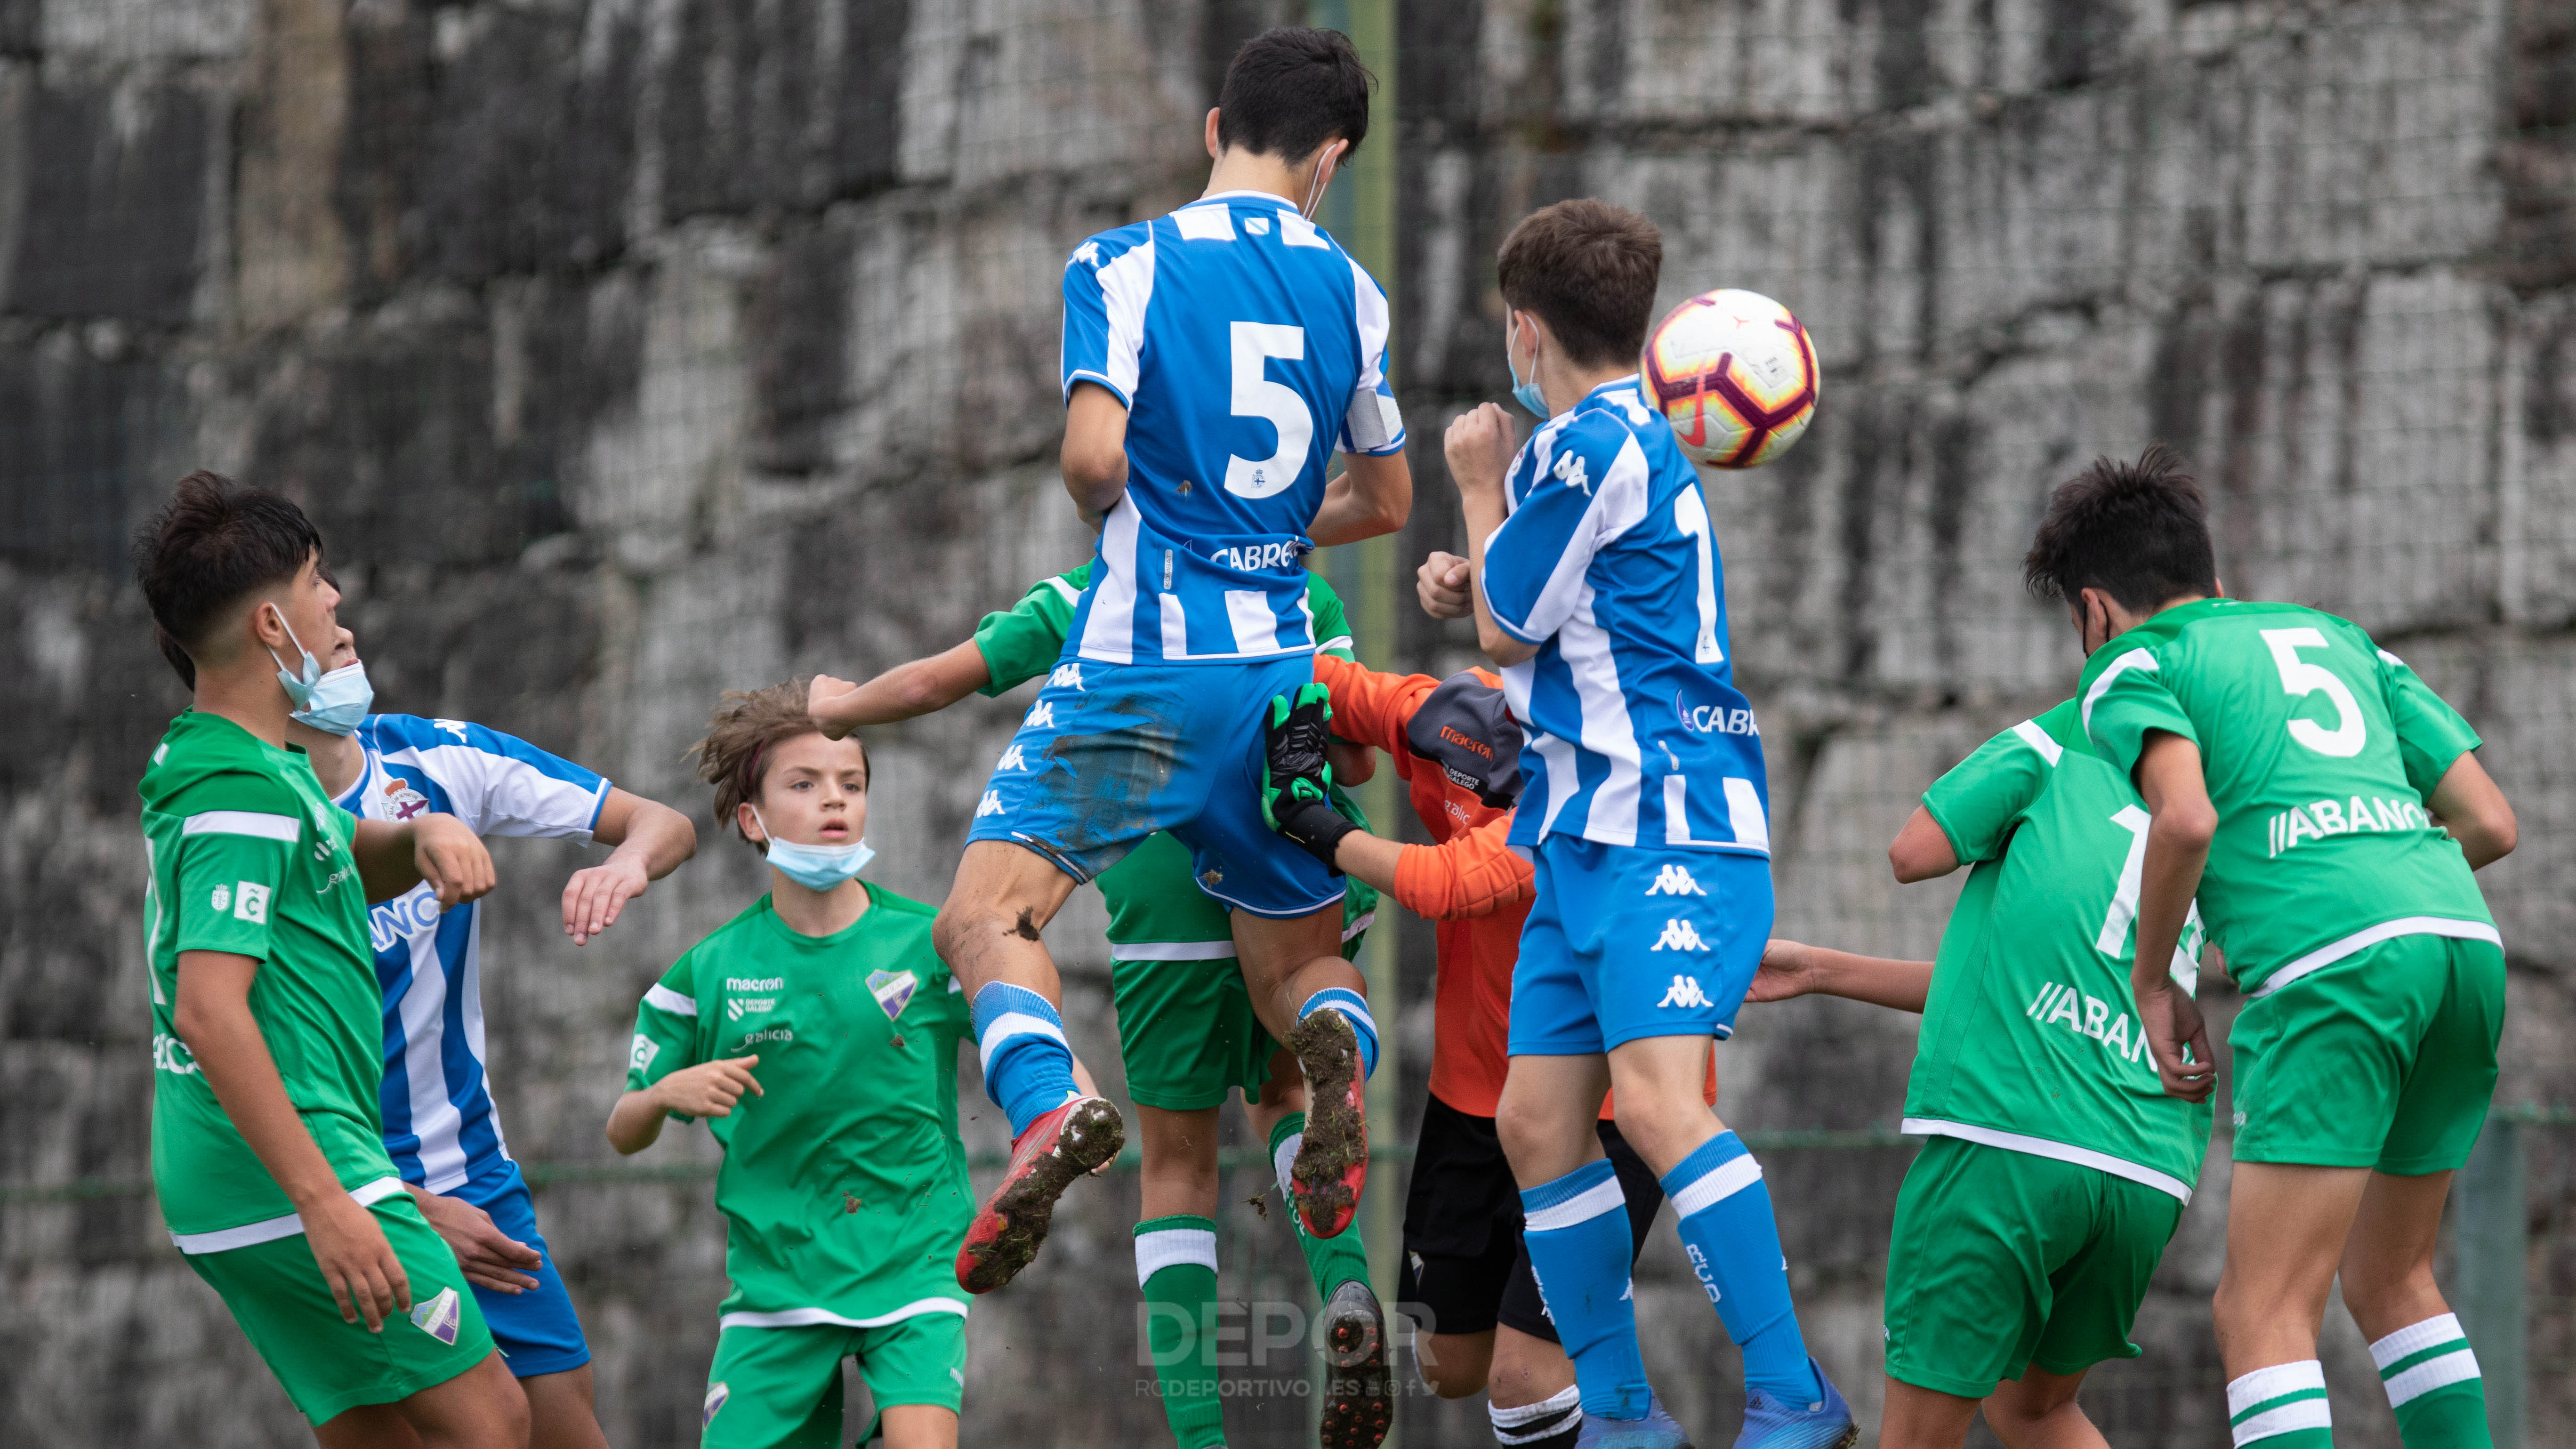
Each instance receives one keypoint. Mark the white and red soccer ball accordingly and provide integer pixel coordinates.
(1734, 374)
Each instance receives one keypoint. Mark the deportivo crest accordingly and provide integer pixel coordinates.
(440, 1317)
(893, 990)
(402, 799)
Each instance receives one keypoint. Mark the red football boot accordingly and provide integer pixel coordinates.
(1332, 1163)
(1057, 1148)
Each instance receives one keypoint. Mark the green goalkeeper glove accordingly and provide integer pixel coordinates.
(1296, 780)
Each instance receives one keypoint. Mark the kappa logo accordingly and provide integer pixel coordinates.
(1089, 255)
(1066, 676)
(1041, 716)
(440, 1317)
(1674, 880)
(1571, 470)
(991, 804)
(455, 727)
(893, 990)
(717, 1393)
(1012, 760)
(1684, 993)
(1679, 935)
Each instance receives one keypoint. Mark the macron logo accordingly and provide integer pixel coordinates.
(1066, 676)
(1675, 880)
(1680, 936)
(1684, 992)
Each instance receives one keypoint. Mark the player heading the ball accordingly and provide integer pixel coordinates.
(2327, 808)
(1213, 360)
(1595, 586)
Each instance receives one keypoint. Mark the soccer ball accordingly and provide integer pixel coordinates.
(1734, 374)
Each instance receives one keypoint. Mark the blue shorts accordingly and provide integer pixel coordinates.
(536, 1331)
(1111, 753)
(1626, 942)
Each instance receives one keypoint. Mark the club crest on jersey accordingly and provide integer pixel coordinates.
(1674, 880)
(1679, 935)
(402, 799)
(893, 990)
(717, 1393)
(1684, 992)
(440, 1317)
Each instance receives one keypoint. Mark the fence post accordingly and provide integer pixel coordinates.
(2494, 1305)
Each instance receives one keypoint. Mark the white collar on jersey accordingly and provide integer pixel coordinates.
(1273, 197)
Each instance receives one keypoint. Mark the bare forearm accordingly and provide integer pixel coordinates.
(1370, 858)
(387, 866)
(635, 1123)
(1370, 497)
(2170, 878)
(216, 1022)
(1484, 510)
(2468, 805)
(659, 838)
(1878, 980)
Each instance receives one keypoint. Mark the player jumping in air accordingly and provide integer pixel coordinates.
(1213, 358)
(817, 1034)
(2057, 1168)
(2327, 808)
(1595, 583)
(268, 1147)
(1466, 1270)
(1188, 1037)
(440, 1122)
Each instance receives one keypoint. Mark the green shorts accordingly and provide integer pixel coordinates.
(2001, 1260)
(328, 1366)
(782, 1386)
(1187, 1034)
(2385, 1059)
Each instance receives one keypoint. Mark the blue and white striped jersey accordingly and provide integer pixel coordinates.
(1637, 735)
(439, 1122)
(1247, 346)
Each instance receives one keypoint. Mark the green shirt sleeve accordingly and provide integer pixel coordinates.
(238, 835)
(1023, 642)
(1976, 803)
(1332, 625)
(2125, 697)
(666, 1029)
(2431, 736)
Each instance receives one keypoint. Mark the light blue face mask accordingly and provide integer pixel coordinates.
(339, 700)
(298, 689)
(1524, 393)
(815, 867)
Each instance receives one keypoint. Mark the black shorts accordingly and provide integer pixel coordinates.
(1464, 1268)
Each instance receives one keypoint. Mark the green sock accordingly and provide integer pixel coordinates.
(2433, 1384)
(2281, 1407)
(1176, 1265)
(1331, 1262)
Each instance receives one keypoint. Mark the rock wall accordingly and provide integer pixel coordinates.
(630, 350)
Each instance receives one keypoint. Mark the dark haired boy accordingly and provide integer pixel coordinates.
(1595, 584)
(2327, 809)
(268, 1051)
(1213, 360)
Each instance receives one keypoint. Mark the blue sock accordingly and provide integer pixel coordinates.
(1355, 1007)
(1028, 1070)
(1734, 1246)
(1576, 1230)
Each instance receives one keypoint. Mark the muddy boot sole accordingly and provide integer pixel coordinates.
(1359, 1392)
(1323, 1176)
(1091, 1135)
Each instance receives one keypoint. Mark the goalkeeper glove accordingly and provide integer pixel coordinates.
(1296, 780)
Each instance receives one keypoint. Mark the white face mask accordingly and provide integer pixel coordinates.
(1324, 172)
(815, 867)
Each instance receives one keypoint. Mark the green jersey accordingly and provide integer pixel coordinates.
(844, 1183)
(248, 856)
(2319, 749)
(1148, 904)
(2027, 1039)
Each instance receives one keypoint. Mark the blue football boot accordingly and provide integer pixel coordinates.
(1658, 1430)
(1825, 1424)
